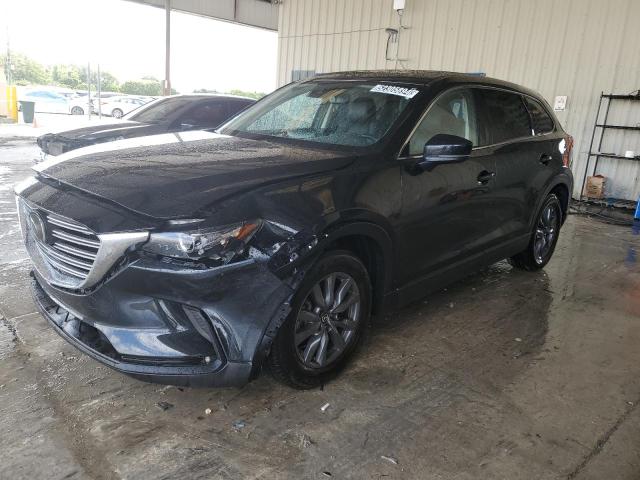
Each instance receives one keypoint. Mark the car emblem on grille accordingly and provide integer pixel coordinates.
(37, 227)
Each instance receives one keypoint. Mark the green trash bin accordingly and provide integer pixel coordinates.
(28, 110)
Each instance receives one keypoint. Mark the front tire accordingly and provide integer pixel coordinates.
(543, 238)
(329, 314)
(77, 111)
(117, 113)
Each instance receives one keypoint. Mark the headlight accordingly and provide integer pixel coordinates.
(218, 242)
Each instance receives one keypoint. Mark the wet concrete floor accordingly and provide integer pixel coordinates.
(504, 375)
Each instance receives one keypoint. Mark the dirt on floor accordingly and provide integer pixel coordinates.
(504, 375)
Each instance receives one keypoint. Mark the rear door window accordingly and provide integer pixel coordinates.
(542, 121)
(505, 115)
(205, 114)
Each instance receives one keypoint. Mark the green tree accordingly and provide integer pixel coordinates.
(150, 86)
(147, 86)
(109, 83)
(26, 71)
(67, 76)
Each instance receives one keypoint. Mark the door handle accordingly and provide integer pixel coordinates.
(545, 158)
(485, 176)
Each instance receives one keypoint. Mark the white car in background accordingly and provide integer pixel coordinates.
(118, 106)
(46, 101)
(78, 105)
(51, 101)
(79, 102)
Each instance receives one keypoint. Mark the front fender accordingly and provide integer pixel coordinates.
(304, 248)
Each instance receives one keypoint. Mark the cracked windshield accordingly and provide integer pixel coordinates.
(340, 114)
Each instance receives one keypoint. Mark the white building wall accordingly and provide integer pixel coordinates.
(576, 48)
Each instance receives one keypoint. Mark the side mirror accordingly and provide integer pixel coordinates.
(443, 148)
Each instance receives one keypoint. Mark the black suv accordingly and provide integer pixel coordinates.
(177, 113)
(198, 259)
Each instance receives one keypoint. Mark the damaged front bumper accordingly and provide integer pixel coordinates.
(165, 323)
(55, 144)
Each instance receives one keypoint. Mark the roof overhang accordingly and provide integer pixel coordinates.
(254, 13)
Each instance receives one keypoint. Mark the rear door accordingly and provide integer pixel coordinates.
(518, 161)
(444, 209)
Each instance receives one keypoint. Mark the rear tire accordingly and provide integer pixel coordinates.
(117, 113)
(543, 238)
(329, 314)
(77, 111)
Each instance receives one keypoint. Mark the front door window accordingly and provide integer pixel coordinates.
(453, 113)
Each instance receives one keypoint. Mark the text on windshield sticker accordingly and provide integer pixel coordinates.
(393, 90)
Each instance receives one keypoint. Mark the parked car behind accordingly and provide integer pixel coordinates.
(79, 104)
(168, 114)
(119, 106)
(197, 260)
(46, 101)
(50, 101)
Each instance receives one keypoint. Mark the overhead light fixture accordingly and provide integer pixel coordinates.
(398, 4)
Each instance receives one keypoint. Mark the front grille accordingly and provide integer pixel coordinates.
(70, 247)
(63, 251)
(68, 254)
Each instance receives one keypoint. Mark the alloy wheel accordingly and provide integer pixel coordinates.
(546, 231)
(327, 320)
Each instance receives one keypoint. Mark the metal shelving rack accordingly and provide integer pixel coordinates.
(609, 98)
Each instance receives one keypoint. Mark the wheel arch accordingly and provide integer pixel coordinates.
(373, 246)
(369, 242)
(561, 187)
(561, 190)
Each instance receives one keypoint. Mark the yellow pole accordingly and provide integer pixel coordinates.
(12, 103)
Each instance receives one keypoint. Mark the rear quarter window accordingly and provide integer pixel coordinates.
(505, 115)
(542, 121)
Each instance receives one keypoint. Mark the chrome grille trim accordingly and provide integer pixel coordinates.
(68, 248)
(87, 242)
(68, 259)
(72, 256)
(62, 266)
(61, 222)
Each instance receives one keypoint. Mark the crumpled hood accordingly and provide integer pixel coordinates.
(175, 175)
(57, 142)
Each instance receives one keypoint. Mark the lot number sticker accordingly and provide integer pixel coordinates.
(392, 90)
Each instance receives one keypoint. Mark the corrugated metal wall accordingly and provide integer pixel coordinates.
(557, 47)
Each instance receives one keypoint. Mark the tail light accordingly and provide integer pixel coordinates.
(566, 145)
